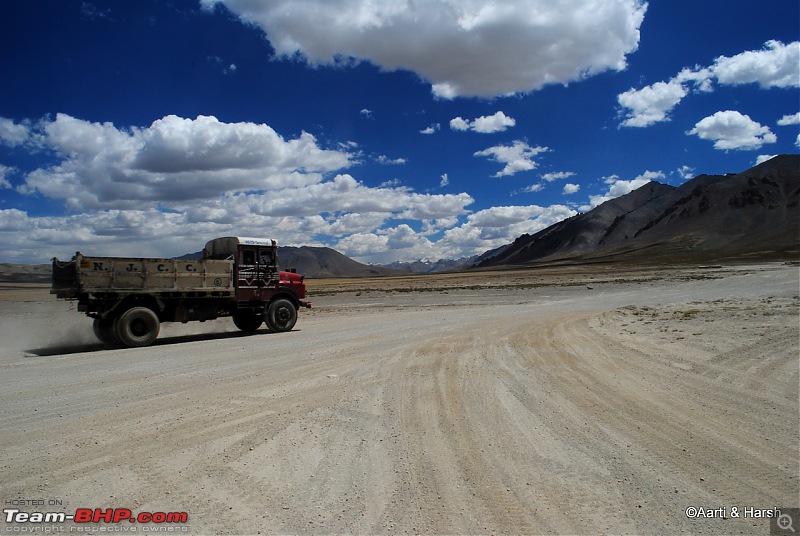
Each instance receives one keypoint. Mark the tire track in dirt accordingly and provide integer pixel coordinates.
(447, 461)
(620, 439)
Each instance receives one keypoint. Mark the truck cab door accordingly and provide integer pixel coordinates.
(247, 274)
(257, 274)
(267, 265)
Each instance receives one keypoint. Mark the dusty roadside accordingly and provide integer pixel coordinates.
(542, 403)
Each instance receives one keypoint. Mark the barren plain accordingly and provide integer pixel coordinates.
(584, 400)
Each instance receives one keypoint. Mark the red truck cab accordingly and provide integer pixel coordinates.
(256, 274)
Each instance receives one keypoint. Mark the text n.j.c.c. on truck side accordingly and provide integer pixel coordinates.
(128, 298)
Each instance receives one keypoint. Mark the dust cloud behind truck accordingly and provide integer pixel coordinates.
(129, 298)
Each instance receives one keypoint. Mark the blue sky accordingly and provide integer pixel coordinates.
(388, 130)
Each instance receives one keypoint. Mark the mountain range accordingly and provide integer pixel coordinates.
(318, 262)
(429, 267)
(751, 215)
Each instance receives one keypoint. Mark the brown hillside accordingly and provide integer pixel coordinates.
(753, 214)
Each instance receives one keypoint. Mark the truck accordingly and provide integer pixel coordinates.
(129, 298)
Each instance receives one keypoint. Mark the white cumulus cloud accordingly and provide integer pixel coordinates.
(550, 177)
(483, 230)
(650, 104)
(787, 120)
(174, 159)
(497, 226)
(13, 134)
(459, 123)
(385, 160)
(152, 190)
(570, 188)
(732, 130)
(463, 48)
(533, 188)
(517, 157)
(775, 65)
(486, 124)
(760, 159)
(686, 172)
(5, 171)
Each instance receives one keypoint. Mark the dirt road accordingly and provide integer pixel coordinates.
(594, 405)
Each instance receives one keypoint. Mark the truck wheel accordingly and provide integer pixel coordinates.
(281, 315)
(247, 322)
(137, 326)
(104, 330)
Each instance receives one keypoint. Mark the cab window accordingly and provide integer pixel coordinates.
(266, 257)
(248, 257)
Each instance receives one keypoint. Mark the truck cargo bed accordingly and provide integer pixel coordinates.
(83, 275)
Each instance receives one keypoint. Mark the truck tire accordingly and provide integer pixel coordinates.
(281, 315)
(104, 330)
(138, 326)
(247, 322)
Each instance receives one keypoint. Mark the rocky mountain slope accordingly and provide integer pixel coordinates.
(317, 262)
(750, 215)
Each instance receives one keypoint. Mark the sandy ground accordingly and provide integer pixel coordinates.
(578, 401)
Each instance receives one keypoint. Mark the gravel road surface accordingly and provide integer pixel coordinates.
(607, 406)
